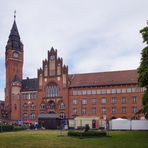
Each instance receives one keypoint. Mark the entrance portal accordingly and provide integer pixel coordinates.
(49, 121)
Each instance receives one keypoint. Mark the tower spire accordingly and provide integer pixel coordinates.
(14, 41)
(14, 15)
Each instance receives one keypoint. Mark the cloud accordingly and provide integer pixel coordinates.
(90, 35)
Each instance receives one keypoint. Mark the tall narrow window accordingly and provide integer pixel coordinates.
(51, 90)
(134, 99)
(123, 100)
(103, 100)
(114, 100)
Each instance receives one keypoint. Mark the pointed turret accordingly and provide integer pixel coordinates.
(14, 41)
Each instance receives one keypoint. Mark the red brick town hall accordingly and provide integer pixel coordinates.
(55, 93)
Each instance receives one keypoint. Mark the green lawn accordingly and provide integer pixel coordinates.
(48, 138)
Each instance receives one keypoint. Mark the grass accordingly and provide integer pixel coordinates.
(50, 139)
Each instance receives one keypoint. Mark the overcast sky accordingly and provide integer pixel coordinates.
(90, 35)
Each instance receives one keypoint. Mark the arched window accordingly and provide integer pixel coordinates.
(42, 106)
(25, 106)
(62, 106)
(51, 90)
(32, 106)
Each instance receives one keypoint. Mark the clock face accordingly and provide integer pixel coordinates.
(52, 57)
(15, 55)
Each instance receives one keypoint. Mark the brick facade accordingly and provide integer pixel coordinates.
(105, 95)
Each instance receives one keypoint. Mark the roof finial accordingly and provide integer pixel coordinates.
(14, 14)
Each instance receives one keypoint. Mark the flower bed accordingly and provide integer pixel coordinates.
(90, 133)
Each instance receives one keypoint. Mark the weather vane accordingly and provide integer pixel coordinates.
(14, 14)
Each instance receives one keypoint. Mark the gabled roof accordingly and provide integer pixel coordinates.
(104, 78)
(30, 84)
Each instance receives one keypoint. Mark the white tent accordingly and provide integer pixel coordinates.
(120, 124)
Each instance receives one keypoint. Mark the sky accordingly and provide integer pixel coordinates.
(90, 35)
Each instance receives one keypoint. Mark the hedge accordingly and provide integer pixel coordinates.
(8, 128)
(19, 128)
(90, 133)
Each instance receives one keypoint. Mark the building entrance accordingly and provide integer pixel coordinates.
(49, 121)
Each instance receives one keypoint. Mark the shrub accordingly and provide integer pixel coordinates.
(87, 128)
(19, 128)
(6, 128)
(90, 133)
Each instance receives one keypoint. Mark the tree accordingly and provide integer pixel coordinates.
(143, 71)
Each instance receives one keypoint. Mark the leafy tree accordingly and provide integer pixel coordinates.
(143, 71)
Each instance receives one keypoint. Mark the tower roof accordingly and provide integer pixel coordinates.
(14, 31)
(14, 41)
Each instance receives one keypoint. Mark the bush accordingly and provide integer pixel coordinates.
(90, 133)
(87, 128)
(6, 128)
(19, 128)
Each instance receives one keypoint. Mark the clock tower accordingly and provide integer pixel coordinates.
(14, 70)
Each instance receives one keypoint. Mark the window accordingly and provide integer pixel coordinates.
(129, 90)
(15, 107)
(123, 90)
(32, 106)
(114, 110)
(98, 91)
(75, 92)
(75, 111)
(104, 91)
(32, 116)
(93, 91)
(84, 101)
(134, 109)
(134, 99)
(114, 91)
(42, 106)
(79, 92)
(133, 89)
(62, 106)
(108, 91)
(51, 105)
(119, 91)
(25, 116)
(93, 101)
(103, 110)
(83, 110)
(25, 106)
(123, 100)
(88, 92)
(84, 92)
(75, 101)
(123, 109)
(114, 100)
(103, 101)
(51, 90)
(32, 95)
(93, 110)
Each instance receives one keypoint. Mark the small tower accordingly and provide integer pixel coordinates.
(14, 67)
